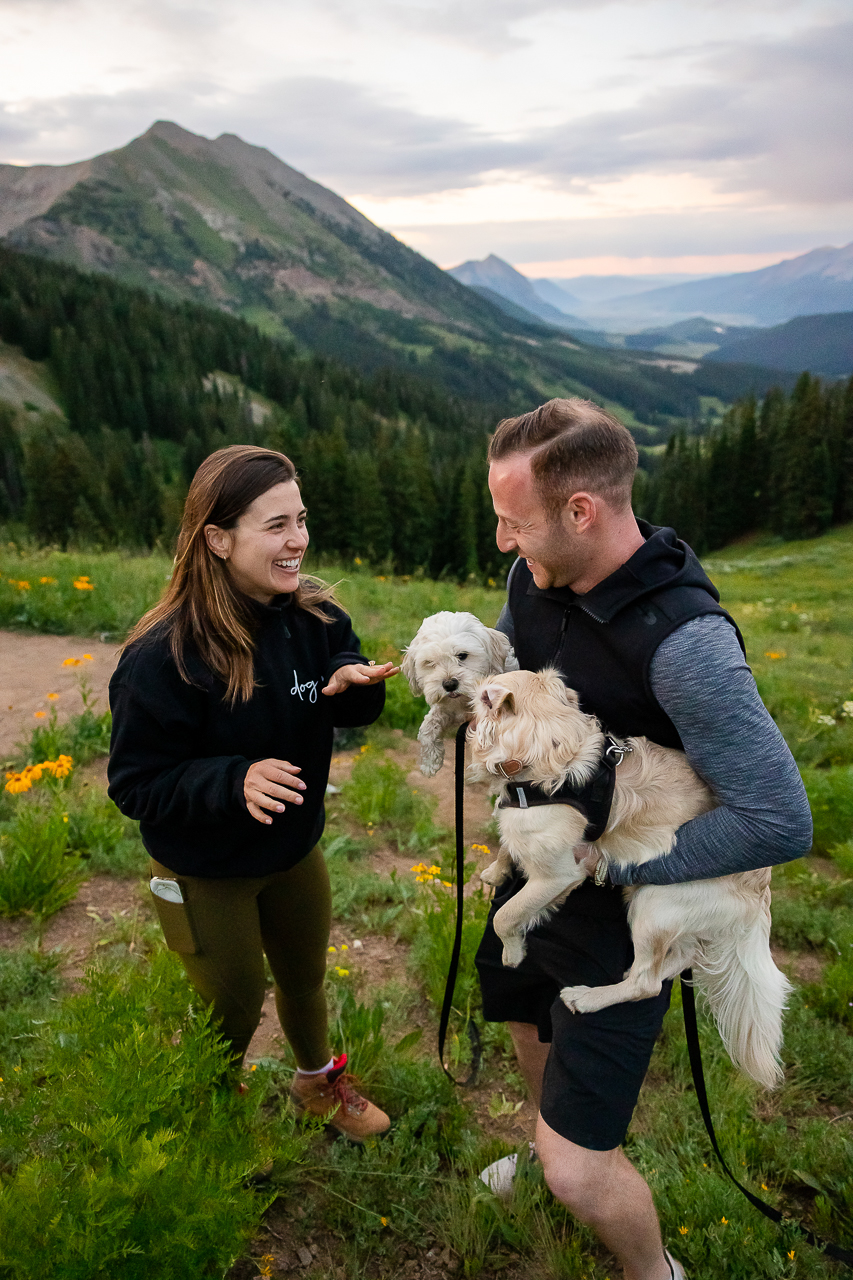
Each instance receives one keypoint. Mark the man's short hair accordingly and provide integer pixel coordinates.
(574, 446)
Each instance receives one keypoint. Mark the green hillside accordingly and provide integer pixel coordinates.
(228, 225)
(823, 344)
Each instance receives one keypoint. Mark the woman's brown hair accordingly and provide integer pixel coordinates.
(200, 605)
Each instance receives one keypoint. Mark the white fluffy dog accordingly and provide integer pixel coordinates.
(447, 659)
(532, 723)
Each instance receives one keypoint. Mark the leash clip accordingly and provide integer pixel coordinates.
(620, 749)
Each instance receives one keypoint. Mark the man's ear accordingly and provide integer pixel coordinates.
(407, 666)
(580, 512)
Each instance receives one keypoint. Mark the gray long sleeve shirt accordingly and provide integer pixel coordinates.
(702, 681)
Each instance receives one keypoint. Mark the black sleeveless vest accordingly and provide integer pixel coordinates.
(603, 642)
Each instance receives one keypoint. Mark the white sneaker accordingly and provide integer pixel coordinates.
(675, 1267)
(500, 1176)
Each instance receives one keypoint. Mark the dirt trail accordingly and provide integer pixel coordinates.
(31, 667)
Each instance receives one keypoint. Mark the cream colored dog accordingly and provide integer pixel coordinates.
(720, 927)
(446, 661)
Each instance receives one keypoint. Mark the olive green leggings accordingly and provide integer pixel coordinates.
(286, 915)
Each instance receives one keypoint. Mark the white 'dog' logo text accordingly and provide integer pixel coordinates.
(309, 687)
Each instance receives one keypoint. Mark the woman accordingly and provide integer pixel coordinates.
(224, 703)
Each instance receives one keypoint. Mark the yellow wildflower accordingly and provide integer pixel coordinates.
(358, 560)
(683, 1230)
(791, 1254)
(52, 697)
(48, 582)
(22, 586)
(87, 657)
(480, 848)
(39, 715)
(343, 973)
(779, 653)
(83, 584)
(72, 662)
(384, 1221)
(724, 1221)
(334, 949)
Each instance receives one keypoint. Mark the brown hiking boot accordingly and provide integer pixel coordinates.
(333, 1097)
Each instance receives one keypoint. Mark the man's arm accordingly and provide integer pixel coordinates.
(701, 679)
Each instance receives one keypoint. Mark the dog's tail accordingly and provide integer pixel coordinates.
(747, 995)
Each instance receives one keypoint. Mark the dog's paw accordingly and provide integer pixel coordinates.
(494, 874)
(576, 998)
(432, 758)
(513, 953)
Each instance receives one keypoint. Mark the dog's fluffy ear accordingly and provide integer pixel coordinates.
(556, 686)
(496, 699)
(498, 648)
(407, 666)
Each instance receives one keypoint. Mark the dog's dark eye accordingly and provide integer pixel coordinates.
(462, 656)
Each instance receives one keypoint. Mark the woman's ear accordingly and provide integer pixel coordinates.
(219, 540)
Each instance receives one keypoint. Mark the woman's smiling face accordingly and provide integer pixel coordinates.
(264, 550)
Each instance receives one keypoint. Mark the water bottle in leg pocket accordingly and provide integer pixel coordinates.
(174, 915)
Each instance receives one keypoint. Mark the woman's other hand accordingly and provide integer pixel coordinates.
(359, 673)
(268, 784)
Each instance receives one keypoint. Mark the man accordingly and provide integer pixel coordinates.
(628, 616)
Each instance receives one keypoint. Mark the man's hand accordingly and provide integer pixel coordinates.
(359, 673)
(268, 783)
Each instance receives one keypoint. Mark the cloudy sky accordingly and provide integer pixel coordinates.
(564, 135)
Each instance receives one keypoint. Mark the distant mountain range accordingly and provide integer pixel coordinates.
(819, 282)
(502, 283)
(228, 225)
(821, 343)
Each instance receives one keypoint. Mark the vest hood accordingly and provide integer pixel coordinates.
(664, 561)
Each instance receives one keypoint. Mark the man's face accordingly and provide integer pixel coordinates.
(550, 547)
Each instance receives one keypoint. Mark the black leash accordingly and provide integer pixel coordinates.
(447, 1004)
(691, 1028)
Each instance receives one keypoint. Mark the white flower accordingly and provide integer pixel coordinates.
(847, 708)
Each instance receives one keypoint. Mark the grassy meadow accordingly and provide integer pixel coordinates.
(122, 1152)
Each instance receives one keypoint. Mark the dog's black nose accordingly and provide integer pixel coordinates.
(450, 685)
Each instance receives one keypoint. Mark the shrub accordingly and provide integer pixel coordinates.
(128, 1149)
(38, 873)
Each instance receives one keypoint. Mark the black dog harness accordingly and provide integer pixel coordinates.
(593, 800)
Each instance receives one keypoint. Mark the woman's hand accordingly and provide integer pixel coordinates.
(268, 783)
(359, 673)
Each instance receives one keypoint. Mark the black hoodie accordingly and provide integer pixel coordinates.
(603, 642)
(179, 753)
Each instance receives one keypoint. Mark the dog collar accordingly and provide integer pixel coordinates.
(509, 768)
(593, 800)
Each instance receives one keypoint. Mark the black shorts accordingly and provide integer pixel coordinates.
(598, 1060)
